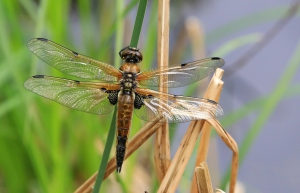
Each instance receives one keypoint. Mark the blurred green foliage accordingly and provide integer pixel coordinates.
(46, 147)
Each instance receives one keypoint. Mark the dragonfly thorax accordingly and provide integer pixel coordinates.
(127, 83)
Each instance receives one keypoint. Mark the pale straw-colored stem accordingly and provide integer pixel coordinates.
(162, 142)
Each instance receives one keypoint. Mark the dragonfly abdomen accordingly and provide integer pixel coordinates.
(125, 109)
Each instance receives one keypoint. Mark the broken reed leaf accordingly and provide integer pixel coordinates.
(203, 179)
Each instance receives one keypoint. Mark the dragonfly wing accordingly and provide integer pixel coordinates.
(72, 63)
(89, 97)
(179, 75)
(150, 104)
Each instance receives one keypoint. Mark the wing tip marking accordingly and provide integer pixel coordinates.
(75, 53)
(216, 58)
(184, 64)
(38, 76)
(42, 39)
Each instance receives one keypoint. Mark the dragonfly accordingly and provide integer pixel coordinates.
(125, 88)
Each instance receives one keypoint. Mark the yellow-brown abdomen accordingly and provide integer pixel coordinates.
(125, 110)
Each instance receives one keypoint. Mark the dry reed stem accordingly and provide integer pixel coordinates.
(162, 143)
(180, 160)
(205, 137)
(141, 136)
(203, 179)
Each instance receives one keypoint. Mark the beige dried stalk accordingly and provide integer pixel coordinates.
(162, 142)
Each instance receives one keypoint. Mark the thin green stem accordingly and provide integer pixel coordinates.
(138, 23)
(105, 157)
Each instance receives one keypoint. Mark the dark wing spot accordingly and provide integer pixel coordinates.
(38, 76)
(112, 96)
(42, 39)
(75, 53)
(184, 64)
(216, 58)
(77, 82)
(138, 101)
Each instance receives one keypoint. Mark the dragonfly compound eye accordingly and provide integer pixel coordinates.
(131, 55)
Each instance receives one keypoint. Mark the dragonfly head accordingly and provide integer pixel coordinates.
(131, 55)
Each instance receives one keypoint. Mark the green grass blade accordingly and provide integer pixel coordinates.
(237, 43)
(248, 21)
(231, 118)
(138, 23)
(107, 150)
(119, 31)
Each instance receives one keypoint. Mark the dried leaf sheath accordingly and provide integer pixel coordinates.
(204, 184)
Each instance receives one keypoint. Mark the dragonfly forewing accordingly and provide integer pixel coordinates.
(180, 75)
(72, 63)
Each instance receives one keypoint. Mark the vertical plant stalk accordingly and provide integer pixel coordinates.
(162, 143)
(205, 137)
(119, 31)
(107, 149)
(138, 23)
